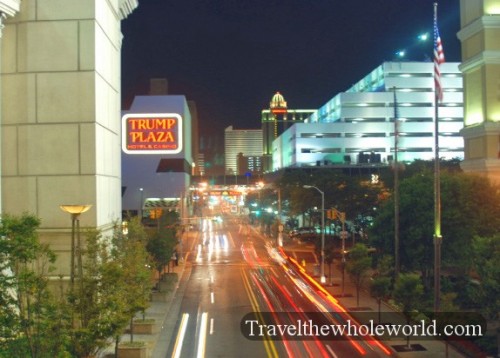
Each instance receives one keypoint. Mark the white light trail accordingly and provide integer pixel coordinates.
(180, 336)
(202, 340)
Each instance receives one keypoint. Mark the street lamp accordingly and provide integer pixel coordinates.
(260, 185)
(141, 204)
(75, 211)
(323, 279)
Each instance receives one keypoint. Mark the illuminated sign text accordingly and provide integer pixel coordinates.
(157, 133)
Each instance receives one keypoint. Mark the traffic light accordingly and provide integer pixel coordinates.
(329, 214)
(335, 214)
(155, 213)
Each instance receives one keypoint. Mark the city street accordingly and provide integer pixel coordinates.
(231, 272)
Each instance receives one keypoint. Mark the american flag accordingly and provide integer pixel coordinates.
(438, 58)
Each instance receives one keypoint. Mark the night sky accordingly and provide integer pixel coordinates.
(231, 56)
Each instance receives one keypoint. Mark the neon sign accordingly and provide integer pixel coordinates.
(152, 133)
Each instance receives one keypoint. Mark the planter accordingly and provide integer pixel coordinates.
(147, 326)
(132, 350)
(160, 296)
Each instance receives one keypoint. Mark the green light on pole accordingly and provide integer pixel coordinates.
(423, 37)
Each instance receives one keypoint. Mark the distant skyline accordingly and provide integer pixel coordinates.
(230, 57)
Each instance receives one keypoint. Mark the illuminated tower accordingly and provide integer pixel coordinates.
(275, 121)
(270, 119)
(480, 28)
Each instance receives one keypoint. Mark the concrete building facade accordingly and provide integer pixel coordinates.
(479, 35)
(155, 179)
(274, 121)
(60, 143)
(236, 141)
(358, 126)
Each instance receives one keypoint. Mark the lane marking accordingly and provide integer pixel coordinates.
(233, 245)
(211, 326)
(268, 344)
(180, 336)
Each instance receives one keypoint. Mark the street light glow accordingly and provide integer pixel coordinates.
(423, 37)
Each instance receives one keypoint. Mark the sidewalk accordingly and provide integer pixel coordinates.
(368, 306)
(162, 303)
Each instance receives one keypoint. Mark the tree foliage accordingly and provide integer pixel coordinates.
(408, 291)
(115, 284)
(358, 266)
(42, 320)
(163, 239)
(29, 312)
(135, 262)
(470, 206)
(351, 193)
(487, 267)
(99, 298)
(380, 288)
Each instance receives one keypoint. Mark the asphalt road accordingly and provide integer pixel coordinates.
(234, 275)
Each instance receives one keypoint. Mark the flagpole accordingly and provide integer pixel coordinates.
(437, 187)
(396, 188)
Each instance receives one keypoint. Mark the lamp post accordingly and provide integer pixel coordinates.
(141, 204)
(280, 225)
(260, 185)
(343, 235)
(323, 279)
(75, 211)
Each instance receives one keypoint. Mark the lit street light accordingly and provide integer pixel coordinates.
(423, 37)
(323, 279)
(75, 211)
(141, 204)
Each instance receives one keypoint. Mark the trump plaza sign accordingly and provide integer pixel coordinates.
(152, 133)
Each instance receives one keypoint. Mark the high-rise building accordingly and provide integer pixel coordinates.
(358, 126)
(245, 141)
(157, 153)
(480, 33)
(275, 120)
(250, 165)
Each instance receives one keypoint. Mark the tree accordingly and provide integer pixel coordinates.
(487, 266)
(29, 313)
(408, 291)
(470, 206)
(163, 240)
(349, 193)
(98, 303)
(380, 289)
(130, 251)
(358, 266)
(114, 285)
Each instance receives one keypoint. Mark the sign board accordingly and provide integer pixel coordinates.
(152, 133)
